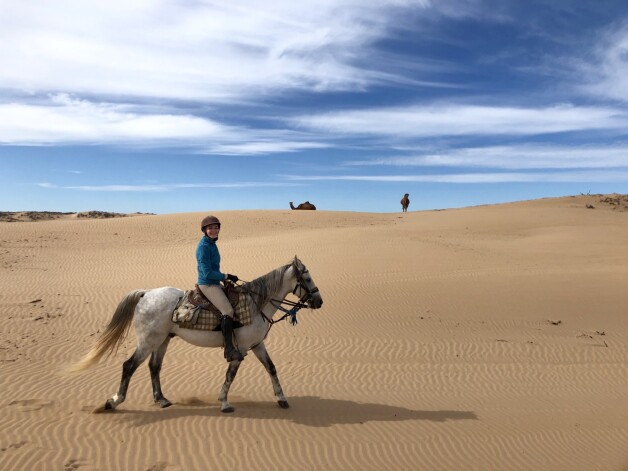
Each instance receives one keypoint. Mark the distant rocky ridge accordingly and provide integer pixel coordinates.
(21, 216)
(614, 201)
(106, 214)
(31, 216)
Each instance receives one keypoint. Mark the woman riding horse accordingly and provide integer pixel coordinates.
(209, 278)
(150, 311)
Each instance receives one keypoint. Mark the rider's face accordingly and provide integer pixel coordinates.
(212, 230)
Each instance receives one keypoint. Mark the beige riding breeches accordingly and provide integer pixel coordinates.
(217, 297)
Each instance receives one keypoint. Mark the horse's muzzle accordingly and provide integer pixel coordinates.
(315, 302)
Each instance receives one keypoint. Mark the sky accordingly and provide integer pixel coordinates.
(196, 105)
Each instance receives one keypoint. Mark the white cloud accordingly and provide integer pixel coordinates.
(513, 157)
(607, 73)
(462, 120)
(200, 50)
(507, 177)
(62, 119)
(264, 147)
(164, 186)
(211, 52)
(66, 120)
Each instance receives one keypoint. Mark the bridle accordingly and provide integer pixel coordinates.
(306, 295)
(302, 285)
(295, 307)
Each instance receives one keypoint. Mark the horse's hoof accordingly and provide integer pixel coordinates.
(106, 408)
(227, 410)
(283, 404)
(163, 403)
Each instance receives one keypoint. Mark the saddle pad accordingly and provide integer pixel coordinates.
(207, 316)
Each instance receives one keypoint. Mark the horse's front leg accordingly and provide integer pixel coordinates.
(232, 370)
(262, 356)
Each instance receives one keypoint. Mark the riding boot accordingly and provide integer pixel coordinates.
(231, 353)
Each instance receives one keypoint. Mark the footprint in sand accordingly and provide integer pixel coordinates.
(72, 465)
(14, 446)
(158, 467)
(27, 405)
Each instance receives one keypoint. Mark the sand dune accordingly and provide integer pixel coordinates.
(491, 337)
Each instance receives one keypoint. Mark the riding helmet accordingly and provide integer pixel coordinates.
(207, 220)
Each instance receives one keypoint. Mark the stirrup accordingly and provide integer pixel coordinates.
(234, 354)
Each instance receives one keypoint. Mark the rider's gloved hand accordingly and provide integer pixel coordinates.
(232, 278)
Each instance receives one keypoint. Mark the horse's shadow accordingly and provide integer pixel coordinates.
(310, 411)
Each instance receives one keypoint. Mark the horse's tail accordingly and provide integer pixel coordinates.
(115, 332)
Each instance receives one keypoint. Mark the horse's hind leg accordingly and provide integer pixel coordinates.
(264, 358)
(232, 370)
(156, 360)
(128, 368)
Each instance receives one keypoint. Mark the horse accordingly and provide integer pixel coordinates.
(151, 312)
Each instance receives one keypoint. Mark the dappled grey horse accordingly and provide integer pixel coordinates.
(151, 313)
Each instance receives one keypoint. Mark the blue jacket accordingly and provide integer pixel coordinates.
(208, 258)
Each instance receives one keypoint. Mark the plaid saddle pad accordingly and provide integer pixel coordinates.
(206, 316)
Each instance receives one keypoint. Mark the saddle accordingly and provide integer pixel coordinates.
(195, 311)
(198, 299)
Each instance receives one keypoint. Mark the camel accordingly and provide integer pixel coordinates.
(405, 202)
(306, 205)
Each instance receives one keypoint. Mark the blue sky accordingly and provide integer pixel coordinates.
(179, 106)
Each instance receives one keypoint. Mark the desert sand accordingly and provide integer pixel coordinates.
(483, 338)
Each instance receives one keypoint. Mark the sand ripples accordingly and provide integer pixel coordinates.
(434, 348)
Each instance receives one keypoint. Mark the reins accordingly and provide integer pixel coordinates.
(292, 313)
(278, 303)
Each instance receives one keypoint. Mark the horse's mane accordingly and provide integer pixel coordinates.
(262, 288)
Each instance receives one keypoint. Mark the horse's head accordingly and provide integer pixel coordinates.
(304, 287)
